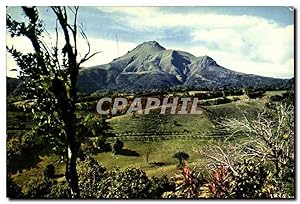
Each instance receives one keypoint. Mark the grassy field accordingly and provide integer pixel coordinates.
(161, 123)
(202, 124)
(160, 151)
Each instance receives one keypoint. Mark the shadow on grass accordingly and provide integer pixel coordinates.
(29, 159)
(18, 164)
(128, 152)
(154, 164)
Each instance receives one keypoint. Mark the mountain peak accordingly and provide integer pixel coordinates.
(151, 45)
(150, 66)
(207, 61)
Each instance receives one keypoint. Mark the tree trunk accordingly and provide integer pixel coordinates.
(71, 171)
(147, 157)
(72, 145)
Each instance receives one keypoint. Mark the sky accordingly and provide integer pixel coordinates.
(254, 40)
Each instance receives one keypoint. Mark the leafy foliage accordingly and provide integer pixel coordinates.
(38, 188)
(91, 176)
(96, 125)
(41, 188)
(20, 146)
(159, 186)
(59, 191)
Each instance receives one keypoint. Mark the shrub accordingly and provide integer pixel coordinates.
(49, 172)
(13, 190)
(95, 124)
(159, 186)
(101, 145)
(96, 182)
(234, 92)
(250, 180)
(38, 188)
(254, 93)
(130, 183)
(91, 175)
(59, 191)
(276, 98)
(187, 184)
(217, 101)
(220, 182)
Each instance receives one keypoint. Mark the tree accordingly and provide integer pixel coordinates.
(270, 139)
(149, 147)
(118, 146)
(49, 76)
(182, 157)
(271, 135)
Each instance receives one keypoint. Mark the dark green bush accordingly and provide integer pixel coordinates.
(91, 175)
(250, 180)
(13, 190)
(59, 191)
(159, 186)
(49, 172)
(253, 93)
(39, 188)
(101, 145)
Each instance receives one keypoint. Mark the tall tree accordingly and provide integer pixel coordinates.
(49, 76)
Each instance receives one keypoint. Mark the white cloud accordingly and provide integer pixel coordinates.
(132, 11)
(145, 17)
(225, 39)
(271, 43)
(20, 43)
(108, 50)
(240, 63)
(265, 49)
